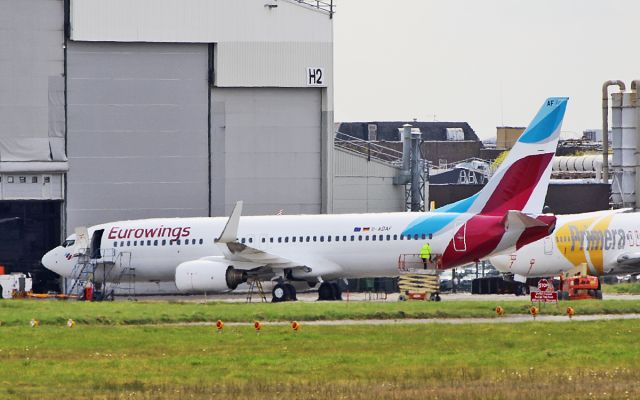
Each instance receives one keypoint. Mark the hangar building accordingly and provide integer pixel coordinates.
(123, 109)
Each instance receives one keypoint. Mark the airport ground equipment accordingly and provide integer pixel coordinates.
(112, 270)
(15, 285)
(418, 279)
(255, 285)
(580, 288)
(498, 285)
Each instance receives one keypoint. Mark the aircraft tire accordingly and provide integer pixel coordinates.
(336, 291)
(291, 290)
(599, 294)
(1, 292)
(438, 298)
(279, 293)
(325, 292)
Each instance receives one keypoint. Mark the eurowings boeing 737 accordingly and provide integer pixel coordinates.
(217, 254)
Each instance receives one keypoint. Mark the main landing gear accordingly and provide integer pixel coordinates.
(283, 292)
(329, 291)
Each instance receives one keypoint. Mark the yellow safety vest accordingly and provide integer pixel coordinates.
(425, 251)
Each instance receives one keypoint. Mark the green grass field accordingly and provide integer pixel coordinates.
(622, 288)
(20, 312)
(113, 352)
(529, 360)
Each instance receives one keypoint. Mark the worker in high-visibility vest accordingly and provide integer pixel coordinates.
(425, 254)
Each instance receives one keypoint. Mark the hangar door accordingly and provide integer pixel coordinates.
(137, 131)
(266, 150)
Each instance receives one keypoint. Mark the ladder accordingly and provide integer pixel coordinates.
(125, 283)
(256, 284)
(82, 272)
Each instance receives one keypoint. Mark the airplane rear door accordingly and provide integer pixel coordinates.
(460, 237)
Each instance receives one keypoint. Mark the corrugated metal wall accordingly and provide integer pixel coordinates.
(270, 64)
(138, 135)
(266, 150)
(364, 186)
(31, 80)
(197, 21)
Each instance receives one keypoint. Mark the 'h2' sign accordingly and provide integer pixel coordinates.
(315, 76)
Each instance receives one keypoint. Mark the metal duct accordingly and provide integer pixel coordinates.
(624, 149)
(605, 124)
(636, 103)
(416, 172)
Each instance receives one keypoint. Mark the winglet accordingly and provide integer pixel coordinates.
(230, 232)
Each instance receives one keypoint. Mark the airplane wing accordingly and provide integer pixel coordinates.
(246, 257)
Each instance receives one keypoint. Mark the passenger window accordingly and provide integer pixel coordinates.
(301, 238)
(155, 242)
(360, 238)
(315, 238)
(322, 238)
(353, 238)
(401, 237)
(178, 241)
(122, 243)
(395, 237)
(388, 237)
(424, 236)
(373, 237)
(135, 243)
(344, 238)
(431, 236)
(279, 240)
(164, 242)
(286, 239)
(329, 238)
(250, 240)
(142, 243)
(201, 241)
(308, 238)
(415, 236)
(293, 239)
(148, 242)
(366, 237)
(242, 241)
(186, 241)
(408, 237)
(128, 243)
(263, 240)
(271, 240)
(115, 244)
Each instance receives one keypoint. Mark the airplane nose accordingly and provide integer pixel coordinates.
(51, 262)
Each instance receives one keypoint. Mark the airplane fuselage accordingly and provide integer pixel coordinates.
(604, 242)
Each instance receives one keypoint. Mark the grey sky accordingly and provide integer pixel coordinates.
(487, 62)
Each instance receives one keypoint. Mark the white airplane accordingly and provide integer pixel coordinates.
(603, 242)
(217, 254)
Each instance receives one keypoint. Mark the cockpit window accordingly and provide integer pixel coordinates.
(68, 243)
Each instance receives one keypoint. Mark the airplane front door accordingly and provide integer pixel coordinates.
(460, 237)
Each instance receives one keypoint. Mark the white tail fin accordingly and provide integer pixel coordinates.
(521, 181)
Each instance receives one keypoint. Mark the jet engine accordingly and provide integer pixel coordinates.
(208, 276)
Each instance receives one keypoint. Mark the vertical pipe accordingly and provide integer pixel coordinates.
(406, 147)
(416, 173)
(605, 125)
(636, 103)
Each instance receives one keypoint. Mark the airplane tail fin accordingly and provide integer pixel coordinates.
(520, 182)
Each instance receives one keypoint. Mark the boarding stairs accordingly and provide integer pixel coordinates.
(112, 269)
(419, 279)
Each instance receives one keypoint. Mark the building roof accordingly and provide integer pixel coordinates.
(388, 130)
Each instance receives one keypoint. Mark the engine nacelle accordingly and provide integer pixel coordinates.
(208, 276)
